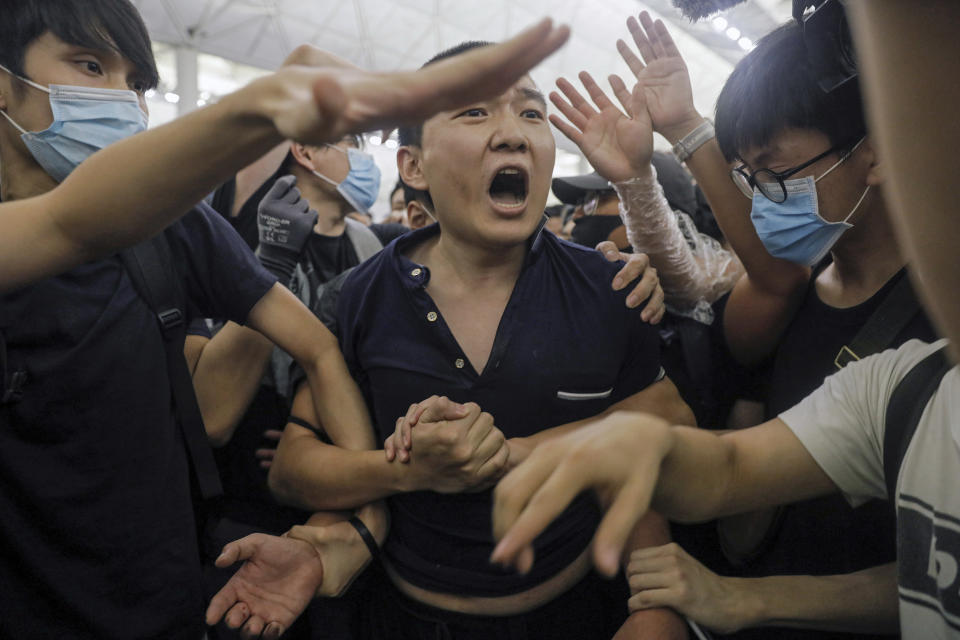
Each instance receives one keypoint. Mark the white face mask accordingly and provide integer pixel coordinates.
(85, 120)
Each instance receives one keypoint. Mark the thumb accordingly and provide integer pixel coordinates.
(442, 409)
(236, 551)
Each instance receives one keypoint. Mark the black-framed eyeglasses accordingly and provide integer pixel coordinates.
(770, 183)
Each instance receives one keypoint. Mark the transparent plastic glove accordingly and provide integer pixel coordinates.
(694, 269)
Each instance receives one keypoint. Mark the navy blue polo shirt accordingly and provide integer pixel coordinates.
(97, 535)
(566, 349)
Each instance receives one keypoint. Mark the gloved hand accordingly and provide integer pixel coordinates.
(284, 223)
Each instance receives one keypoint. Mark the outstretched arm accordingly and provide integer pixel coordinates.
(861, 602)
(686, 474)
(152, 178)
(763, 302)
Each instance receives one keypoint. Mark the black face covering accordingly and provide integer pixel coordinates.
(592, 230)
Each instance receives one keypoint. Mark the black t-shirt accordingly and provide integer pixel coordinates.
(97, 535)
(826, 535)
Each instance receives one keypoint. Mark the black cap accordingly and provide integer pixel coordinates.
(572, 189)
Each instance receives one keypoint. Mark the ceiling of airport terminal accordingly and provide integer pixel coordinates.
(393, 34)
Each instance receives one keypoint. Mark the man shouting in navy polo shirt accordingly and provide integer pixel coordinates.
(484, 308)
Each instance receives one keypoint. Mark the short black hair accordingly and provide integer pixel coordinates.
(412, 135)
(774, 88)
(104, 25)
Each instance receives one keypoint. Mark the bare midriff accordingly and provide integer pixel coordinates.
(510, 605)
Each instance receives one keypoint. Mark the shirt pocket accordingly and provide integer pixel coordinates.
(581, 395)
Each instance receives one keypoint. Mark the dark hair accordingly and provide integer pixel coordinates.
(412, 135)
(104, 25)
(774, 88)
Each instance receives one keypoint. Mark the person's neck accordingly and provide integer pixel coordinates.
(470, 266)
(864, 259)
(331, 212)
(22, 177)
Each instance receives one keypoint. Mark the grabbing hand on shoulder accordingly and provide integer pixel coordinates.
(648, 289)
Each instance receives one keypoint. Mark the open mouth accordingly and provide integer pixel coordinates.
(509, 187)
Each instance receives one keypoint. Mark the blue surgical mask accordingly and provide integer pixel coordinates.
(85, 120)
(793, 229)
(362, 184)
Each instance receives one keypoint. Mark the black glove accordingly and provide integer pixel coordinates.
(284, 223)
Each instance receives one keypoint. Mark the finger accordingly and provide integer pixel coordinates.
(651, 580)
(237, 615)
(485, 71)
(273, 434)
(634, 266)
(596, 93)
(494, 465)
(478, 432)
(660, 562)
(444, 409)
(514, 491)
(609, 251)
(572, 134)
(238, 550)
(273, 631)
(630, 504)
(220, 603)
(666, 40)
(547, 502)
(576, 99)
(578, 119)
(655, 308)
(264, 454)
(389, 448)
(643, 291)
(652, 598)
(640, 38)
(252, 628)
(636, 64)
(650, 27)
(405, 438)
(624, 97)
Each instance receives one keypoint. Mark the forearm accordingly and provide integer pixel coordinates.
(309, 474)
(154, 177)
(861, 602)
(688, 274)
(732, 211)
(227, 377)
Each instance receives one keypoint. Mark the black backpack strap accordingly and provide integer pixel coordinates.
(906, 405)
(150, 267)
(897, 309)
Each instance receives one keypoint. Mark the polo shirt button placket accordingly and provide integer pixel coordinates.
(458, 363)
(432, 316)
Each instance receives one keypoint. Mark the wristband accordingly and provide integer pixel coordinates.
(366, 536)
(693, 140)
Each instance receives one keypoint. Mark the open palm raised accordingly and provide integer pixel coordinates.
(618, 145)
(663, 76)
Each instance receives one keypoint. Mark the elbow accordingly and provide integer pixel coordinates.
(282, 486)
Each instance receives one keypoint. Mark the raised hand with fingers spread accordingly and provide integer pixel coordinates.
(662, 77)
(618, 145)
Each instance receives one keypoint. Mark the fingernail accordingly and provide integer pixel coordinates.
(632, 301)
(617, 282)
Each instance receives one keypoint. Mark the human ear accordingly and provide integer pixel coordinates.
(410, 167)
(303, 155)
(875, 173)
